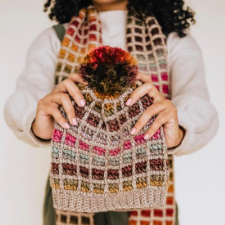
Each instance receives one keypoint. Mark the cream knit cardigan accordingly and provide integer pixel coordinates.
(188, 86)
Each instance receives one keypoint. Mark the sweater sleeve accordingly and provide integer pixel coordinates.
(35, 81)
(190, 95)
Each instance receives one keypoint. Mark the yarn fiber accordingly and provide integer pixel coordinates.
(147, 44)
(98, 165)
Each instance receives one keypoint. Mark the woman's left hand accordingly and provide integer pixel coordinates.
(164, 109)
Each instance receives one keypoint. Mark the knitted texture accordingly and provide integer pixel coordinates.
(146, 43)
(65, 217)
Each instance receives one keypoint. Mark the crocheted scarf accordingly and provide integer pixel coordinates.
(145, 42)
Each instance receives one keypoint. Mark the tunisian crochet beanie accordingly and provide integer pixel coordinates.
(97, 165)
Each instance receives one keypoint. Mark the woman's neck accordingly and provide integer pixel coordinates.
(110, 5)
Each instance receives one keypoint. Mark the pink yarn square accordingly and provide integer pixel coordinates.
(156, 135)
(165, 89)
(57, 135)
(70, 140)
(114, 152)
(127, 145)
(83, 146)
(154, 77)
(99, 151)
(164, 76)
(139, 139)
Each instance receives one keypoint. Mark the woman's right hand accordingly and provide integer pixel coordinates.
(47, 107)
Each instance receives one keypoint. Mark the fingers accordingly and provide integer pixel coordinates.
(151, 111)
(60, 97)
(144, 77)
(56, 114)
(158, 122)
(69, 86)
(166, 114)
(64, 100)
(49, 106)
(77, 78)
(75, 92)
(48, 109)
(146, 88)
(160, 104)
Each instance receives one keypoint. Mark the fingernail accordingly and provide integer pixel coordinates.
(146, 136)
(74, 121)
(82, 102)
(128, 101)
(133, 130)
(66, 125)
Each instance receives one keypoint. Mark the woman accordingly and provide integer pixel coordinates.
(189, 120)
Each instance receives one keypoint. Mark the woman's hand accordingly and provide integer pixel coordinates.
(164, 109)
(47, 108)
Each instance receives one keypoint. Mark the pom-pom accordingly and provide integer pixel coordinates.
(109, 71)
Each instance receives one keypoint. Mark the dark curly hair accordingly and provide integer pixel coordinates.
(172, 15)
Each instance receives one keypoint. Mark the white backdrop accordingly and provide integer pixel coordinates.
(200, 177)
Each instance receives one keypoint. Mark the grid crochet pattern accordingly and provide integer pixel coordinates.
(139, 39)
(65, 217)
(98, 165)
(83, 35)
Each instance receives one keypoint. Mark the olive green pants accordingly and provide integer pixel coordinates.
(102, 218)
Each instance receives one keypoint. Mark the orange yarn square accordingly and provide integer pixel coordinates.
(62, 53)
(74, 48)
(171, 189)
(155, 222)
(79, 59)
(145, 223)
(66, 42)
(132, 222)
(71, 57)
(82, 51)
(90, 47)
(169, 200)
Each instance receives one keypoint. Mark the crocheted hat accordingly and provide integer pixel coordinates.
(98, 165)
